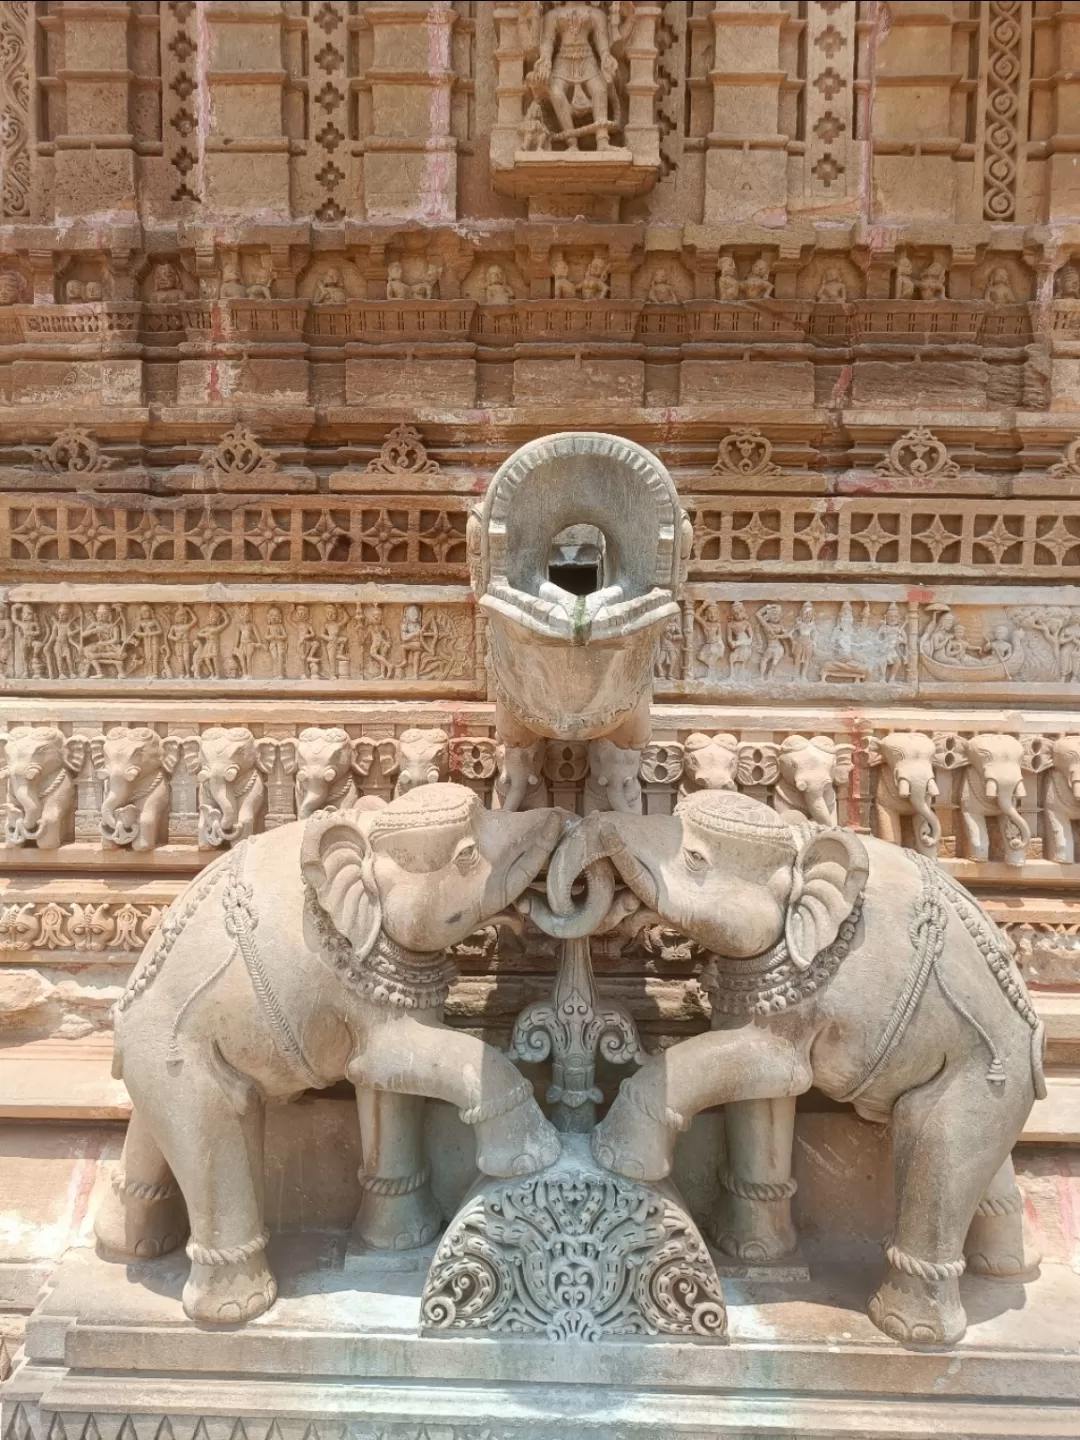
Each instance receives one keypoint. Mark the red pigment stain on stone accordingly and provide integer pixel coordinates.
(919, 597)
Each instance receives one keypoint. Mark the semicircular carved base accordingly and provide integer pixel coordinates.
(574, 1253)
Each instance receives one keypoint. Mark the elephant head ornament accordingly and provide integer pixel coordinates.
(852, 965)
(232, 767)
(612, 781)
(327, 764)
(906, 788)
(519, 784)
(134, 767)
(992, 789)
(1061, 799)
(312, 953)
(810, 769)
(41, 764)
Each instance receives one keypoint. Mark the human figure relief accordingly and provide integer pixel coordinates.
(576, 71)
(248, 640)
(181, 642)
(206, 660)
(277, 641)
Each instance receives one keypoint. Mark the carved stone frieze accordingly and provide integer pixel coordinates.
(189, 637)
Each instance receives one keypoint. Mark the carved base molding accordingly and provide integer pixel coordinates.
(351, 1320)
(574, 1253)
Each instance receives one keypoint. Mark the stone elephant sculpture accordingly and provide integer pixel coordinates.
(134, 767)
(326, 764)
(306, 955)
(809, 770)
(1061, 799)
(231, 766)
(855, 966)
(41, 764)
(710, 762)
(612, 779)
(906, 788)
(519, 781)
(990, 790)
(417, 757)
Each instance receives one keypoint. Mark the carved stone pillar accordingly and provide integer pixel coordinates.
(410, 158)
(746, 158)
(95, 157)
(247, 154)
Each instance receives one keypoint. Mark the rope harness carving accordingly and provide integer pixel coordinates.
(926, 930)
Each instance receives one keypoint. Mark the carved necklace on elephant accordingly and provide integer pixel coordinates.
(390, 974)
(770, 982)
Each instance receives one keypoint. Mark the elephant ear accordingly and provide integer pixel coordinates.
(288, 754)
(170, 754)
(266, 751)
(75, 751)
(830, 875)
(97, 755)
(337, 863)
(363, 753)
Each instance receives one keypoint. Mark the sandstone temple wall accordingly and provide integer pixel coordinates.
(283, 282)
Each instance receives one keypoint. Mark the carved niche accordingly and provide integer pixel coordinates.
(576, 95)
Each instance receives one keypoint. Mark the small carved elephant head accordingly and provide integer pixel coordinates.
(326, 764)
(40, 764)
(810, 770)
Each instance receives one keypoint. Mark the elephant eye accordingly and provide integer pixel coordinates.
(467, 856)
(695, 860)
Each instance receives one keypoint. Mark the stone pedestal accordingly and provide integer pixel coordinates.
(110, 1354)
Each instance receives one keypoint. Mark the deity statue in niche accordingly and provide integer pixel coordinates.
(574, 70)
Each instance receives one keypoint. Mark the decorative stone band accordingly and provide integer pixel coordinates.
(497, 1105)
(924, 1269)
(395, 1184)
(230, 1254)
(142, 1189)
(756, 1189)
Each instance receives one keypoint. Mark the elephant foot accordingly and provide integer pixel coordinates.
(140, 1221)
(757, 1231)
(401, 1221)
(519, 1141)
(917, 1311)
(631, 1142)
(229, 1286)
(995, 1243)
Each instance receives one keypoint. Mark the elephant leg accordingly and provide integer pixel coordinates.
(937, 1191)
(756, 1224)
(213, 1142)
(398, 1210)
(995, 1238)
(408, 1055)
(976, 833)
(142, 1216)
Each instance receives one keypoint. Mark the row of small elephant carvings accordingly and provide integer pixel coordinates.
(807, 776)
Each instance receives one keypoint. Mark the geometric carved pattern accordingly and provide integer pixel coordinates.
(891, 536)
(181, 98)
(395, 537)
